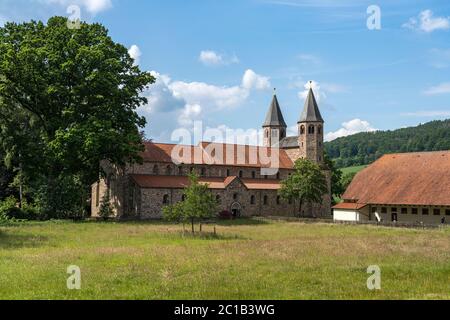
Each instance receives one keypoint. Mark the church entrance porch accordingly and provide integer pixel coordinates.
(236, 210)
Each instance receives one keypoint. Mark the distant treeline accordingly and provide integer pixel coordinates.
(365, 148)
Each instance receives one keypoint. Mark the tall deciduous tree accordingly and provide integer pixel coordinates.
(199, 203)
(68, 99)
(307, 184)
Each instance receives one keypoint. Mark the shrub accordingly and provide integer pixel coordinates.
(106, 209)
(226, 215)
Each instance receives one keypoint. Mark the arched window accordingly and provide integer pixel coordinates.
(235, 196)
(169, 170)
(266, 200)
(228, 172)
(180, 170)
(302, 130)
(241, 174)
(311, 130)
(319, 130)
(278, 176)
(252, 200)
(253, 175)
(155, 169)
(203, 172)
(166, 199)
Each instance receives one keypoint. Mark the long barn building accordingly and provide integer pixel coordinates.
(409, 188)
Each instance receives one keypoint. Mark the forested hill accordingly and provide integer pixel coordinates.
(365, 148)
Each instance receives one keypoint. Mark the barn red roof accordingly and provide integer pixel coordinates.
(349, 206)
(404, 179)
(207, 153)
(181, 182)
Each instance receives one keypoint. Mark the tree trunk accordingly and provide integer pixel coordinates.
(192, 222)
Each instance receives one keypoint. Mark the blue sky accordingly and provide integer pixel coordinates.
(218, 61)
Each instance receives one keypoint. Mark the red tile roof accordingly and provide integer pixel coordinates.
(349, 206)
(181, 182)
(404, 179)
(207, 153)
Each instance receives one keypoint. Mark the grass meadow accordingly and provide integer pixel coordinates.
(248, 259)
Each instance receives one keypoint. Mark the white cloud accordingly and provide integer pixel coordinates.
(190, 113)
(92, 6)
(252, 80)
(349, 128)
(189, 100)
(425, 22)
(439, 89)
(135, 53)
(212, 58)
(436, 113)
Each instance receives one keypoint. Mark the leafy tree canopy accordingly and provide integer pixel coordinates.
(68, 99)
(307, 184)
(199, 203)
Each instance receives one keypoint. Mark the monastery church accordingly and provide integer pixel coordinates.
(242, 184)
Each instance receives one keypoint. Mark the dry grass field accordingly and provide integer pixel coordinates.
(249, 259)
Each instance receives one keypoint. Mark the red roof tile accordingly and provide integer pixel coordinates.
(207, 153)
(404, 179)
(181, 182)
(349, 206)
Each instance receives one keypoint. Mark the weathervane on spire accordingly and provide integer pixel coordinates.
(274, 91)
(310, 84)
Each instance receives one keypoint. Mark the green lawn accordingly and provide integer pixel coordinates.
(250, 259)
(353, 169)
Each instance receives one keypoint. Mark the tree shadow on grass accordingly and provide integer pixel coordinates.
(242, 222)
(11, 241)
(210, 236)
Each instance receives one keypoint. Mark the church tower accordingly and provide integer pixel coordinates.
(311, 128)
(274, 127)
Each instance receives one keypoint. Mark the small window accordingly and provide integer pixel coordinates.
(266, 200)
(415, 211)
(319, 130)
(218, 199)
(374, 210)
(278, 200)
(437, 212)
(252, 200)
(169, 170)
(155, 169)
(384, 210)
(166, 199)
(447, 212)
(394, 210)
(183, 198)
(235, 196)
(311, 130)
(425, 212)
(192, 170)
(404, 210)
(228, 172)
(180, 170)
(253, 175)
(302, 130)
(241, 174)
(278, 176)
(203, 172)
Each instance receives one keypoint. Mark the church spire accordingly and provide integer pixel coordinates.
(275, 117)
(311, 112)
